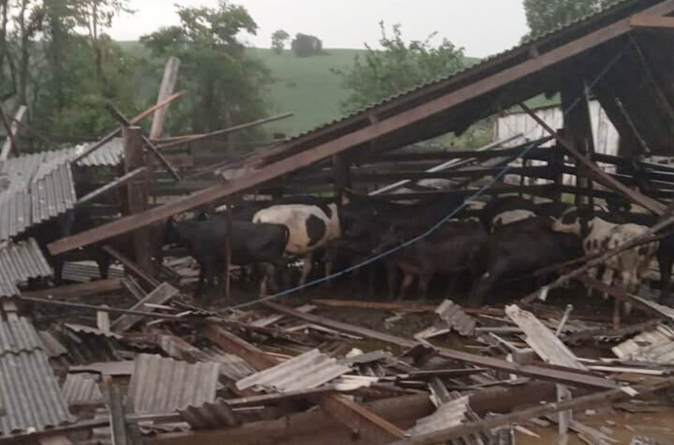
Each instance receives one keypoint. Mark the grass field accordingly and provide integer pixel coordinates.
(306, 87)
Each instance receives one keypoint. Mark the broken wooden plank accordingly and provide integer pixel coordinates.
(584, 402)
(74, 291)
(163, 293)
(544, 373)
(651, 21)
(113, 185)
(134, 268)
(354, 416)
(110, 136)
(168, 84)
(10, 143)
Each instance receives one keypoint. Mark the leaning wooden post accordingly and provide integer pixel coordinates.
(558, 168)
(168, 84)
(341, 175)
(228, 251)
(137, 192)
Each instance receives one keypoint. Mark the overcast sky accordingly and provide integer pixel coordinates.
(482, 27)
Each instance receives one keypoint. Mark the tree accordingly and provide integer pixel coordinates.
(306, 45)
(226, 85)
(545, 15)
(278, 40)
(396, 67)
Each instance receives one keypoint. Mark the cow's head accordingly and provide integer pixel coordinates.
(575, 220)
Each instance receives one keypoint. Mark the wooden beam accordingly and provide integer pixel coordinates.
(127, 123)
(10, 143)
(163, 293)
(114, 185)
(599, 175)
(651, 21)
(148, 280)
(137, 119)
(74, 291)
(166, 88)
(310, 428)
(356, 138)
(544, 373)
(179, 140)
(355, 417)
(584, 402)
(138, 192)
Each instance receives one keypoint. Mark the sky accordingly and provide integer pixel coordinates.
(482, 27)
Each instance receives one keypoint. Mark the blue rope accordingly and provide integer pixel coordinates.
(435, 227)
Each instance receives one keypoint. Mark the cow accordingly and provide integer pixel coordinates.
(599, 234)
(519, 250)
(250, 244)
(506, 210)
(449, 251)
(620, 210)
(310, 227)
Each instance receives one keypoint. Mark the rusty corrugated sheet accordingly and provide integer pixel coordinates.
(305, 371)
(209, 415)
(81, 388)
(29, 393)
(161, 385)
(656, 346)
(19, 262)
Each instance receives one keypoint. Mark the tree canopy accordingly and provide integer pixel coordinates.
(225, 84)
(278, 40)
(396, 67)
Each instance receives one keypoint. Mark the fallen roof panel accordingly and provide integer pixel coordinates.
(19, 262)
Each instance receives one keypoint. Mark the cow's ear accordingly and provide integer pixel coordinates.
(345, 199)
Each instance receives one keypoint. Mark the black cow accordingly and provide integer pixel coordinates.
(451, 250)
(250, 244)
(513, 254)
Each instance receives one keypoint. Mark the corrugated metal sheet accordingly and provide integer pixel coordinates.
(305, 371)
(39, 186)
(85, 271)
(452, 317)
(19, 262)
(655, 346)
(542, 340)
(161, 385)
(209, 415)
(448, 415)
(51, 345)
(29, 393)
(231, 366)
(82, 388)
(108, 155)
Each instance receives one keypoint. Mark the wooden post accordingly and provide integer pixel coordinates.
(578, 127)
(228, 254)
(137, 193)
(10, 143)
(168, 84)
(341, 174)
(558, 166)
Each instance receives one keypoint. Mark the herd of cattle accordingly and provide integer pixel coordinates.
(503, 245)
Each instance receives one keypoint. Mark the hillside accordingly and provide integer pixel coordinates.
(303, 86)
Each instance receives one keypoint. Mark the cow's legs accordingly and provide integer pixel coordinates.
(407, 282)
(270, 272)
(307, 264)
(607, 279)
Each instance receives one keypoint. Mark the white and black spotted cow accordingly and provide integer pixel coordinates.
(310, 227)
(506, 210)
(600, 235)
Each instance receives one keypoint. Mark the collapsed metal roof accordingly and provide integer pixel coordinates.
(29, 393)
(19, 262)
